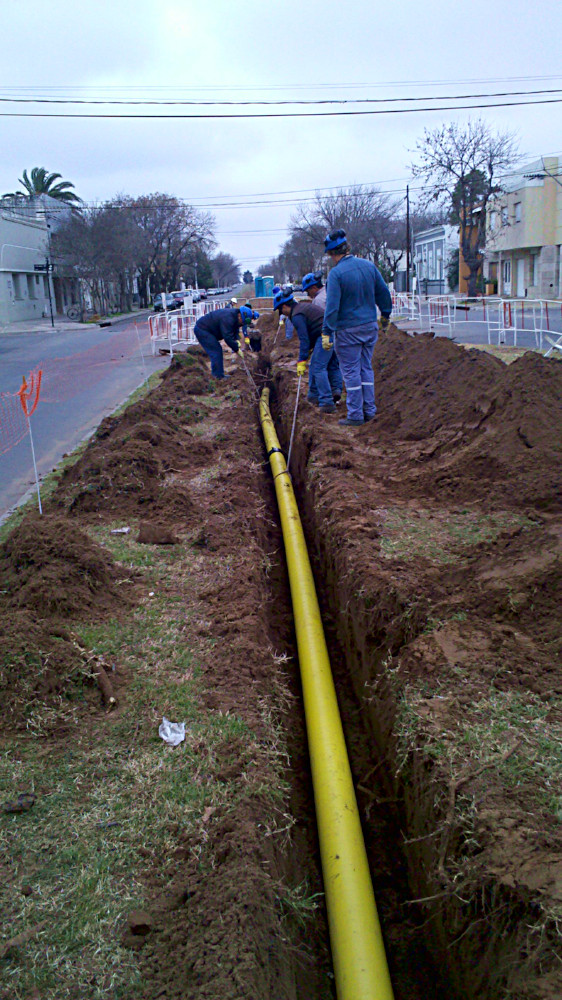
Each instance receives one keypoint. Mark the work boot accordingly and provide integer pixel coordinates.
(329, 408)
(372, 417)
(313, 400)
(346, 422)
(337, 398)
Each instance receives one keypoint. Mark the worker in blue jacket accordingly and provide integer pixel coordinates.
(354, 290)
(222, 324)
(325, 381)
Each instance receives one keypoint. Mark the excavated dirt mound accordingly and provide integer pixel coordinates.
(51, 572)
(50, 567)
(38, 664)
(469, 424)
(126, 467)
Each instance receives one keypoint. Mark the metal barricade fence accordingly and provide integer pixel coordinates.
(406, 305)
(177, 327)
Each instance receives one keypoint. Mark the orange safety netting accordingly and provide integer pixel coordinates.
(16, 408)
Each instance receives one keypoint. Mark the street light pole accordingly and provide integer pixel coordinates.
(196, 285)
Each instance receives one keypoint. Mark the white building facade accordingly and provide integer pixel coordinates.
(433, 249)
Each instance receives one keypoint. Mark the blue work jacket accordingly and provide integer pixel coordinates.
(354, 289)
(223, 324)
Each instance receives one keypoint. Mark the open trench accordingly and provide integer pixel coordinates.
(414, 973)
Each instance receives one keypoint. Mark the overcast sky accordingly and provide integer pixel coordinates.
(248, 50)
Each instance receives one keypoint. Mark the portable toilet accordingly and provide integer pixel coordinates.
(263, 285)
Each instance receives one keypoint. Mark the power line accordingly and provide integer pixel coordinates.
(288, 86)
(143, 102)
(286, 114)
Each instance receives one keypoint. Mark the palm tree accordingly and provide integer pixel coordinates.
(41, 182)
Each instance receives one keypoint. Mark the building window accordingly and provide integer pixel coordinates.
(504, 216)
(518, 211)
(507, 272)
(493, 220)
(18, 290)
(30, 286)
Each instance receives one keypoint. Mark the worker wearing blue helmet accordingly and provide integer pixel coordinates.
(222, 324)
(354, 291)
(312, 285)
(324, 381)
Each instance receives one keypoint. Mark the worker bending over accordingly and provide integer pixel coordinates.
(222, 324)
(354, 290)
(325, 381)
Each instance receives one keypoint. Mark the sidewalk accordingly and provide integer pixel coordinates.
(64, 325)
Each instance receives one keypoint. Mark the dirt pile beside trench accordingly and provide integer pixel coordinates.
(50, 572)
(50, 567)
(127, 465)
(467, 425)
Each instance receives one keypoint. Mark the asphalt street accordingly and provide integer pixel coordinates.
(89, 372)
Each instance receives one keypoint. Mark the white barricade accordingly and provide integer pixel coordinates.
(406, 305)
(548, 320)
(439, 307)
(177, 327)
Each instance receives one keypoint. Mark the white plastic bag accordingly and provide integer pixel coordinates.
(171, 732)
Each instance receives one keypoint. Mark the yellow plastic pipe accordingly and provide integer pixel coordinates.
(358, 954)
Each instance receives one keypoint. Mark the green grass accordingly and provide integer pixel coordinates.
(112, 786)
(482, 734)
(440, 535)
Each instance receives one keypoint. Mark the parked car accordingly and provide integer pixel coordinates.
(202, 293)
(171, 302)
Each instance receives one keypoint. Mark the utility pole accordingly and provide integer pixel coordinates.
(196, 285)
(48, 269)
(407, 237)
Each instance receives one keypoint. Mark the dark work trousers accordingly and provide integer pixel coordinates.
(354, 349)
(324, 375)
(213, 348)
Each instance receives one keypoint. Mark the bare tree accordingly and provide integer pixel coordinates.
(155, 238)
(461, 167)
(365, 213)
(225, 269)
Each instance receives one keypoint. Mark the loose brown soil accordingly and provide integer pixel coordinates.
(435, 533)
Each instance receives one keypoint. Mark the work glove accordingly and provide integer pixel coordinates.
(383, 323)
(247, 341)
(326, 342)
(301, 368)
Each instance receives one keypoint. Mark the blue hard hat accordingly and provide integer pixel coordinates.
(276, 288)
(283, 297)
(310, 279)
(335, 240)
(256, 314)
(247, 315)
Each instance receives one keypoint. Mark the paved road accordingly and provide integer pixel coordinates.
(87, 374)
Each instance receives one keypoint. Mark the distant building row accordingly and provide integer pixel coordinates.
(523, 255)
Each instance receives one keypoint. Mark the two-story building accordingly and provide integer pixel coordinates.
(433, 249)
(524, 232)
